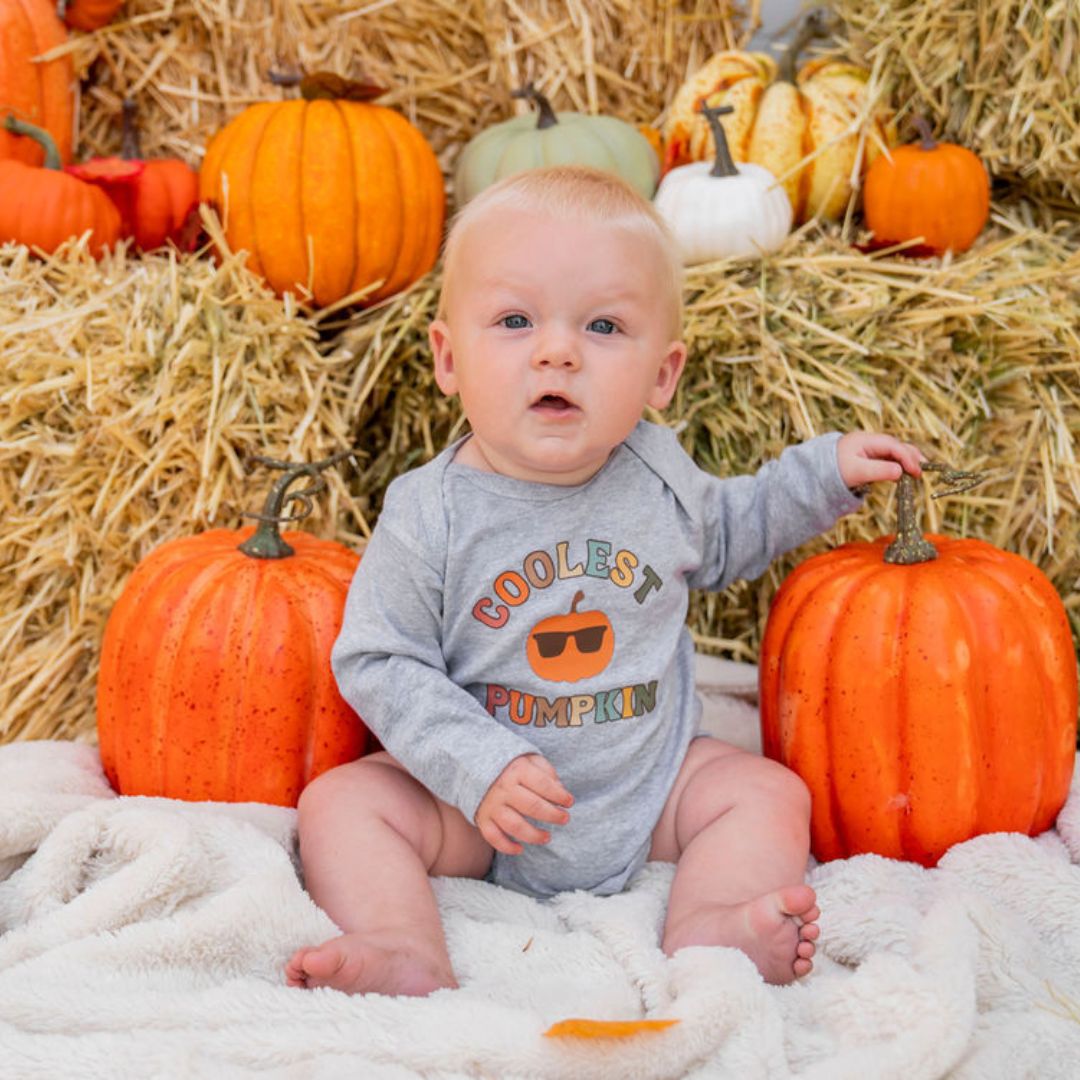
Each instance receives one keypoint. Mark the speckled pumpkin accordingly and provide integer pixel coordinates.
(922, 703)
(215, 678)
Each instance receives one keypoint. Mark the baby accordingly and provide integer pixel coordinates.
(515, 634)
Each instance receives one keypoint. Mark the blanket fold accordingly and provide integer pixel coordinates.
(146, 937)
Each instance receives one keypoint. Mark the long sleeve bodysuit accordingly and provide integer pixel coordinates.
(492, 617)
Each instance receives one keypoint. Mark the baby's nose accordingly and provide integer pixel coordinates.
(557, 350)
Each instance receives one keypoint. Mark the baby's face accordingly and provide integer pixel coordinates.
(557, 335)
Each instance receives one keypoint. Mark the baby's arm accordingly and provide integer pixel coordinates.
(389, 666)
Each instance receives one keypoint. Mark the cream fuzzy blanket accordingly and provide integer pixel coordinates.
(145, 938)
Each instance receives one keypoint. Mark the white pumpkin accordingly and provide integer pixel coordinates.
(723, 210)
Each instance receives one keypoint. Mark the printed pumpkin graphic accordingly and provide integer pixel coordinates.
(566, 648)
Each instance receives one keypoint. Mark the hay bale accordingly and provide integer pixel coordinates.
(133, 390)
(449, 67)
(1001, 77)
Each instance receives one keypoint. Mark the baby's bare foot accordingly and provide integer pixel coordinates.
(361, 963)
(777, 931)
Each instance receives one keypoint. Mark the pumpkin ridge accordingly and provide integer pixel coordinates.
(854, 582)
(239, 139)
(171, 587)
(806, 173)
(395, 270)
(908, 577)
(302, 599)
(353, 246)
(418, 218)
(997, 566)
(242, 587)
(301, 211)
(966, 789)
(809, 595)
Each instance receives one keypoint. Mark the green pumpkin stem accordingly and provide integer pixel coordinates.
(266, 542)
(814, 25)
(39, 135)
(724, 165)
(928, 142)
(911, 546)
(545, 113)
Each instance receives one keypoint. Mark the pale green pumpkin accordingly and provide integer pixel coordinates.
(550, 138)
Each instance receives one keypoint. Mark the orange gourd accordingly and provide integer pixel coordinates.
(329, 195)
(935, 190)
(215, 678)
(925, 691)
(42, 94)
(88, 15)
(157, 201)
(43, 207)
(566, 648)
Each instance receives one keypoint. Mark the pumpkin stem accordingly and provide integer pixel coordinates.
(546, 114)
(39, 135)
(266, 542)
(325, 85)
(910, 546)
(578, 597)
(928, 141)
(724, 165)
(814, 25)
(130, 140)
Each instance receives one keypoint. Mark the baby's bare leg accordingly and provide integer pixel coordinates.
(370, 836)
(738, 825)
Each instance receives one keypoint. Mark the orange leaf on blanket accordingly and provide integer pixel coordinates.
(604, 1029)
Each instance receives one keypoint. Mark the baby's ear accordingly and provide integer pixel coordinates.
(442, 351)
(667, 378)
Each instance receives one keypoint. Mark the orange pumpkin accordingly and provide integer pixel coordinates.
(567, 648)
(156, 201)
(937, 191)
(329, 195)
(215, 678)
(44, 207)
(922, 702)
(795, 124)
(42, 94)
(88, 15)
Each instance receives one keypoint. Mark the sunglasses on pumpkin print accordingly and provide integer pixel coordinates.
(551, 643)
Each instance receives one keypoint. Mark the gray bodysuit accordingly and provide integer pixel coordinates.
(492, 617)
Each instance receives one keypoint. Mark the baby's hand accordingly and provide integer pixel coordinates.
(865, 457)
(528, 785)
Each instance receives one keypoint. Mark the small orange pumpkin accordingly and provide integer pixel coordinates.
(330, 193)
(88, 15)
(43, 207)
(567, 648)
(935, 190)
(157, 201)
(215, 678)
(925, 691)
(40, 93)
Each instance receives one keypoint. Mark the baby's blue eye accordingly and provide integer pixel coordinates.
(603, 326)
(514, 322)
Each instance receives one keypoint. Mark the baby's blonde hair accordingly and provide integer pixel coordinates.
(573, 191)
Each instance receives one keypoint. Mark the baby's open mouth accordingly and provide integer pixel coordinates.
(555, 402)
